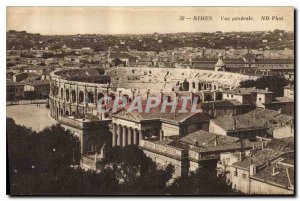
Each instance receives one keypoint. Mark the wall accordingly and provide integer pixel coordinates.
(169, 129)
(283, 132)
(229, 96)
(238, 182)
(289, 93)
(258, 187)
(214, 128)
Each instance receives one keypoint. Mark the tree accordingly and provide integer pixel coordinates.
(39, 164)
(201, 182)
(273, 83)
(137, 173)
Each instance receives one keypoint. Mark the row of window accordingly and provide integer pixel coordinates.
(235, 173)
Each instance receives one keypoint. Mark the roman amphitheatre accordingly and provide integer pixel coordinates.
(75, 92)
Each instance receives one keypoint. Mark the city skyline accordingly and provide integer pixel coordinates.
(142, 20)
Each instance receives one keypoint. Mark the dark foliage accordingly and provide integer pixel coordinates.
(138, 174)
(202, 182)
(40, 164)
(273, 83)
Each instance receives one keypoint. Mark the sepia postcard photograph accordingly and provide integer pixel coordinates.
(150, 101)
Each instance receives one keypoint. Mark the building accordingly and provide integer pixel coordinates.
(19, 77)
(14, 91)
(200, 149)
(168, 151)
(269, 171)
(220, 65)
(289, 91)
(259, 122)
(132, 127)
(285, 105)
(263, 98)
(283, 131)
(40, 88)
(227, 107)
(93, 134)
(254, 96)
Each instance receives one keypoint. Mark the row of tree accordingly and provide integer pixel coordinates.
(275, 84)
(44, 163)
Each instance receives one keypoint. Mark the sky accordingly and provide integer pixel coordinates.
(143, 20)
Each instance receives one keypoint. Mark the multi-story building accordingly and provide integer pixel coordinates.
(268, 171)
(259, 122)
(14, 90)
(200, 149)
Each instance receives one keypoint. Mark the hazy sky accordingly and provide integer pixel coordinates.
(136, 20)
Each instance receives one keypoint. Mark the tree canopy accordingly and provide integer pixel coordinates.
(43, 164)
(202, 182)
(273, 83)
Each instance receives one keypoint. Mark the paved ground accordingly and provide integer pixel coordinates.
(30, 116)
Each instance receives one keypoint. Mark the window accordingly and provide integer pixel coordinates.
(259, 189)
(227, 96)
(231, 96)
(90, 147)
(235, 173)
(259, 99)
(244, 176)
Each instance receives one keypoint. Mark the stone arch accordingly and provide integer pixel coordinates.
(113, 96)
(185, 85)
(67, 113)
(73, 96)
(62, 112)
(90, 142)
(193, 85)
(219, 96)
(199, 86)
(90, 97)
(73, 114)
(67, 95)
(55, 90)
(61, 93)
(80, 97)
(136, 133)
(198, 99)
(208, 97)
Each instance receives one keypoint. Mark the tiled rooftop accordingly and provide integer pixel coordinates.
(258, 118)
(281, 176)
(259, 159)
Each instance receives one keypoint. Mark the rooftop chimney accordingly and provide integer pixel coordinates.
(241, 154)
(234, 123)
(252, 168)
(216, 141)
(274, 171)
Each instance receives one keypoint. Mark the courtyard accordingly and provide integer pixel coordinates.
(31, 116)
